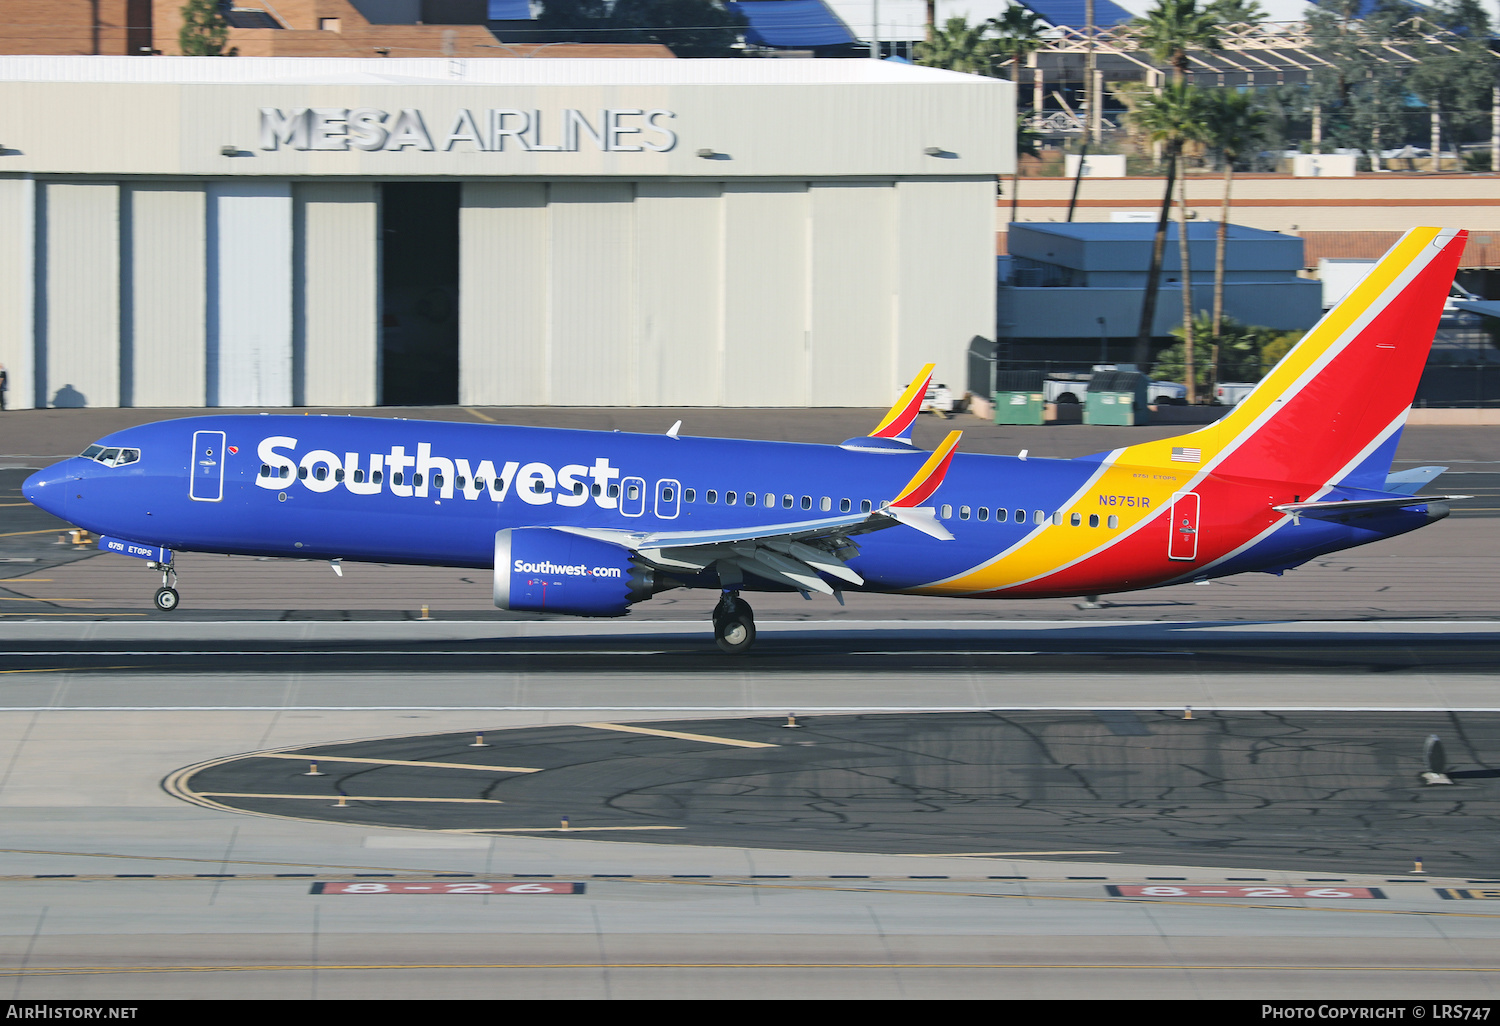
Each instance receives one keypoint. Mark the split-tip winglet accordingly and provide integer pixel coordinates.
(898, 421)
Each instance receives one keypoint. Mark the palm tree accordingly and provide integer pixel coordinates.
(1173, 27)
(959, 46)
(1234, 123)
(1019, 34)
(1168, 31)
(1173, 117)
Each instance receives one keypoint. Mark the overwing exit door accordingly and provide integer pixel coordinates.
(1183, 542)
(208, 466)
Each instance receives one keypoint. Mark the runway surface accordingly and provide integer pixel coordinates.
(1276, 790)
(1264, 849)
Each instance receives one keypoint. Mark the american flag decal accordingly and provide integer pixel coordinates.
(1182, 454)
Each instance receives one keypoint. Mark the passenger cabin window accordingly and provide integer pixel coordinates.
(845, 505)
(749, 498)
(963, 512)
(807, 502)
(376, 476)
(1093, 520)
(1002, 515)
(689, 495)
(666, 495)
(1075, 519)
(614, 491)
(302, 475)
(630, 493)
(771, 499)
(1038, 517)
(1114, 521)
(711, 496)
(946, 513)
(786, 502)
(984, 512)
(864, 505)
(729, 498)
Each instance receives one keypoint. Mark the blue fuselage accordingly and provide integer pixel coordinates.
(436, 493)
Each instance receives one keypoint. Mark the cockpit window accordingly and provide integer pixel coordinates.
(113, 457)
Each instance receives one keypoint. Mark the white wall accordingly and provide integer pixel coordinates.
(164, 295)
(250, 293)
(741, 293)
(17, 289)
(79, 323)
(337, 328)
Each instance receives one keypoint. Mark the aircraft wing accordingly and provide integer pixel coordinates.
(794, 553)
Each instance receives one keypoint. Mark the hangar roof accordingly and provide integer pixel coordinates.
(532, 71)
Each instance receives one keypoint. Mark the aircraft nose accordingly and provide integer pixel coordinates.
(46, 490)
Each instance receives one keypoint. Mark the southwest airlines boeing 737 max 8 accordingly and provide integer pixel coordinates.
(587, 523)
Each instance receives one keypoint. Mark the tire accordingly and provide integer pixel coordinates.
(735, 633)
(166, 599)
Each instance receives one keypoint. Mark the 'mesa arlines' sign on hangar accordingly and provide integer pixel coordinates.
(611, 130)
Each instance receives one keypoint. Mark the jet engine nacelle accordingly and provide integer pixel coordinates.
(544, 570)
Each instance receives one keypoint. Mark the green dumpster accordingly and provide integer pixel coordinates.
(1116, 398)
(1018, 397)
(1112, 408)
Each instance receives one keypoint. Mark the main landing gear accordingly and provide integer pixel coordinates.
(734, 624)
(166, 597)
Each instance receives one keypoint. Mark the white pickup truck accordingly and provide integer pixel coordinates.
(1071, 388)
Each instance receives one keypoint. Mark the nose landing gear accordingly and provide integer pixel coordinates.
(166, 597)
(734, 624)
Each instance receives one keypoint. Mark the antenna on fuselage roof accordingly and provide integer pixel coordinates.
(672, 431)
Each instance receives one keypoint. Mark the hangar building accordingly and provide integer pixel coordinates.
(208, 231)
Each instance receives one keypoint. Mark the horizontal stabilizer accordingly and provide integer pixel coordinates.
(1409, 482)
(1340, 507)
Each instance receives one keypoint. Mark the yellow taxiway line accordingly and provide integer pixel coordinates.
(707, 738)
(310, 757)
(348, 798)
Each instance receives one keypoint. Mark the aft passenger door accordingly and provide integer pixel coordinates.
(208, 466)
(1183, 519)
